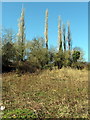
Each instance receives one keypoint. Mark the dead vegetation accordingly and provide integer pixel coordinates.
(49, 94)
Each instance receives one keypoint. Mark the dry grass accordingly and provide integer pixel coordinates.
(54, 94)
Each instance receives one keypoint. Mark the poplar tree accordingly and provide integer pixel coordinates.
(46, 29)
(69, 37)
(69, 60)
(59, 34)
(59, 56)
(64, 37)
(21, 36)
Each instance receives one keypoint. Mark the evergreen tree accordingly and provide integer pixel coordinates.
(46, 29)
(21, 37)
(59, 33)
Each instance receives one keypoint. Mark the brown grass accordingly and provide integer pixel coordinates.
(56, 93)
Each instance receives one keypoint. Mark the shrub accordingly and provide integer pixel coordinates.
(78, 65)
(59, 58)
(26, 66)
(75, 56)
(49, 66)
(8, 56)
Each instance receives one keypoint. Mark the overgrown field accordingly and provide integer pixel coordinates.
(49, 94)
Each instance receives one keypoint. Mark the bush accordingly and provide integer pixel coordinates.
(26, 66)
(75, 56)
(67, 61)
(88, 65)
(49, 66)
(59, 59)
(39, 56)
(8, 57)
(78, 65)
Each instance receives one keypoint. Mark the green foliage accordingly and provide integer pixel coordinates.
(67, 59)
(59, 58)
(78, 65)
(75, 56)
(81, 53)
(19, 113)
(9, 51)
(49, 66)
(39, 55)
(8, 55)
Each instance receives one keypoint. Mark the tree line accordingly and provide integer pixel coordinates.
(29, 56)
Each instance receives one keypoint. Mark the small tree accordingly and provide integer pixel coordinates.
(8, 35)
(8, 49)
(81, 53)
(75, 56)
(38, 54)
(8, 56)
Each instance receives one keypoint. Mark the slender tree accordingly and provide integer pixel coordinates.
(64, 37)
(46, 29)
(59, 33)
(21, 36)
(69, 37)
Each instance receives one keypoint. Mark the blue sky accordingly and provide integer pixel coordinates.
(75, 12)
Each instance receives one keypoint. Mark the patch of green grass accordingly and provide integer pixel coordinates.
(19, 113)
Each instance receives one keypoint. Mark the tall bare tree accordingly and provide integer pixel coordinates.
(21, 36)
(46, 29)
(69, 38)
(59, 33)
(64, 37)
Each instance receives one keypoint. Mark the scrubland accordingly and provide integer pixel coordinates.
(47, 94)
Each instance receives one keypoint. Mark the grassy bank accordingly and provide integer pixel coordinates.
(48, 94)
